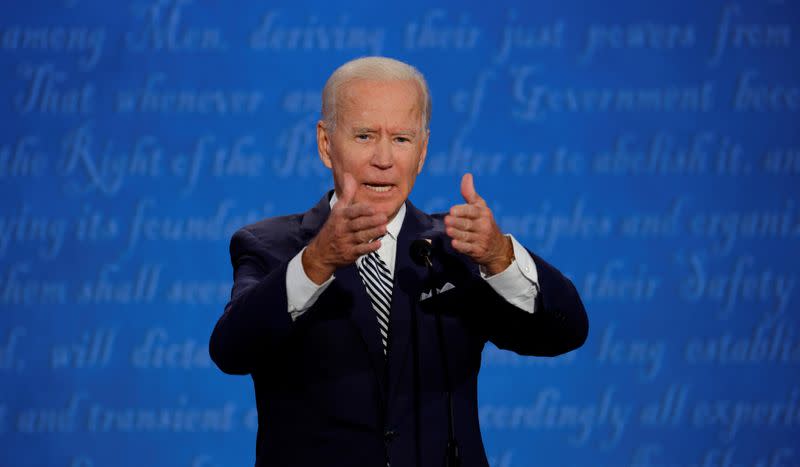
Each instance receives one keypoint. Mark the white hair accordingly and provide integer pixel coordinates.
(373, 68)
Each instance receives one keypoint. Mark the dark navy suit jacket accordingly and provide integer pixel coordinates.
(325, 394)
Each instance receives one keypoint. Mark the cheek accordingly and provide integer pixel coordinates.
(412, 168)
(350, 158)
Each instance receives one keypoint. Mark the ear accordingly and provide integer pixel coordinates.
(424, 151)
(324, 144)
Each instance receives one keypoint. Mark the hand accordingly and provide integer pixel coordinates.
(474, 232)
(346, 235)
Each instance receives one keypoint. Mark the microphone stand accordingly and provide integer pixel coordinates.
(421, 253)
(416, 386)
(452, 455)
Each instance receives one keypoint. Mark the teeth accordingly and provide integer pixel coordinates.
(379, 188)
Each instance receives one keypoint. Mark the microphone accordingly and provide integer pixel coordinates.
(421, 251)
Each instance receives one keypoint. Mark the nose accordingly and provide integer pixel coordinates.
(382, 157)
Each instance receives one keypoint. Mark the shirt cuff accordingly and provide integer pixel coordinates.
(519, 282)
(301, 292)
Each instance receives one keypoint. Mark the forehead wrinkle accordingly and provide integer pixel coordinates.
(348, 98)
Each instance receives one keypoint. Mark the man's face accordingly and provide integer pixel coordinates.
(379, 138)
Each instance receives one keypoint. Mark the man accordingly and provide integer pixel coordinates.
(337, 324)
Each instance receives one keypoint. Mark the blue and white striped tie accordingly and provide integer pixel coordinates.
(377, 280)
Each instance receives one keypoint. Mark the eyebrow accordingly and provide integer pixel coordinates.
(404, 131)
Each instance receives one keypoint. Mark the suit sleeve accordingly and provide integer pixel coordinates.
(255, 320)
(558, 325)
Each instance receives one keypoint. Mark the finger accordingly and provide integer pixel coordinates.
(356, 210)
(367, 235)
(462, 247)
(460, 235)
(348, 190)
(367, 222)
(468, 189)
(470, 211)
(459, 223)
(364, 248)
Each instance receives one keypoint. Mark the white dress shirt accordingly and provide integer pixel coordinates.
(518, 283)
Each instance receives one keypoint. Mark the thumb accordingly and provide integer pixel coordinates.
(348, 190)
(468, 189)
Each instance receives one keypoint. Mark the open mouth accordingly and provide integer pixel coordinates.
(379, 188)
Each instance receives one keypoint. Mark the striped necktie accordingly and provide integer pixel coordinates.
(377, 280)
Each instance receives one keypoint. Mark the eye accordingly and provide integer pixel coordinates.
(402, 139)
(362, 137)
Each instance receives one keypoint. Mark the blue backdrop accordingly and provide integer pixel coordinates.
(650, 150)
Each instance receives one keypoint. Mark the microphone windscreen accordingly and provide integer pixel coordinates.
(421, 250)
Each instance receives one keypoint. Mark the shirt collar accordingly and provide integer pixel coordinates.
(393, 228)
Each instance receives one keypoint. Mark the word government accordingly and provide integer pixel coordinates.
(535, 100)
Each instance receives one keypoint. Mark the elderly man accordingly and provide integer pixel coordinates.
(359, 355)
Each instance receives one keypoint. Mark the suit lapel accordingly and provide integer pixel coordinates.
(408, 283)
(364, 318)
(315, 217)
(406, 289)
(348, 280)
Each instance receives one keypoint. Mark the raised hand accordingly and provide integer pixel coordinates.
(474, 232)
(350, 231)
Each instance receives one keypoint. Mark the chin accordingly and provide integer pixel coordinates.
(388, 208)
(387, 204)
